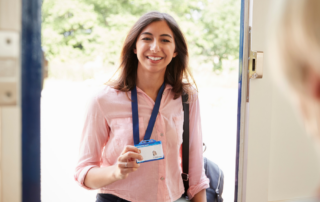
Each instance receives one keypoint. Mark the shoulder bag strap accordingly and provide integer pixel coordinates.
(185, 144)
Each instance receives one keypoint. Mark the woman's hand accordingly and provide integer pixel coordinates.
(127, 162)
(99, 177)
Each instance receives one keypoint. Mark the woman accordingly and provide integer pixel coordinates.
(294, 56)
(154, 54)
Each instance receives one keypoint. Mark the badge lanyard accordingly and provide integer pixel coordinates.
(135, 115)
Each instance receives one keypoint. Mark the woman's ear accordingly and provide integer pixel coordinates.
(135, 50)
(175, 54)
(313, 83)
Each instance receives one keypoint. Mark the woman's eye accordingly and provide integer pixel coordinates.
(165, 40)
(146, 39)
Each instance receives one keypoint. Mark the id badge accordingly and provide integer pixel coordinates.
(151, 150)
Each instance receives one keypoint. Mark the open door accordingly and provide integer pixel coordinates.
(20, 88)
(277, 160)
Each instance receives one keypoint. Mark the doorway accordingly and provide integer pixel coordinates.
(82, 42)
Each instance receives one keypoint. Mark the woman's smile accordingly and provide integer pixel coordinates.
(155, 59)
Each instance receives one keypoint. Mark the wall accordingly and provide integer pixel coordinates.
(10, 111)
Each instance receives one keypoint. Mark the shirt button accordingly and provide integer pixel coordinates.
(161, 134)
(162, 178)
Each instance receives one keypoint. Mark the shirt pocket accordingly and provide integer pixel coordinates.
(178, 122)
(123, 134)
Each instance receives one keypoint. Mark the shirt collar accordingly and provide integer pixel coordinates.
(167, 87)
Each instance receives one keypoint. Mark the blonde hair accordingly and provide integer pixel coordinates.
(293, 49)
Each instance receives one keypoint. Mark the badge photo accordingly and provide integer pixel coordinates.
(151, 150)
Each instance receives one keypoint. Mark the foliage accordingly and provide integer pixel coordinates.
(221, 32)
(84, 29)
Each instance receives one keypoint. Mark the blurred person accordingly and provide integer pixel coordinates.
(294, 56)
(154, 58)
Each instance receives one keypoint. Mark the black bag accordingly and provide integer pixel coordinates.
(212, 170)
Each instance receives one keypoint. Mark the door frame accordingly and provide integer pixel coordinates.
(31, 77)
(242, 140)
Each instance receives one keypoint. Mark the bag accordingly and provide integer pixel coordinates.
(212, 170)
(215, 174)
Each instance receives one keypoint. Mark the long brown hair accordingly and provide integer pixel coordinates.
(177, 72)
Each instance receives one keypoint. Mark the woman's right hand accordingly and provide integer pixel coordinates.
(127, 162)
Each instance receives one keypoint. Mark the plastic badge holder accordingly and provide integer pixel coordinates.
(151, 150)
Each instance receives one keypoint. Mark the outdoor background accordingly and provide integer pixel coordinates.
(82, 40)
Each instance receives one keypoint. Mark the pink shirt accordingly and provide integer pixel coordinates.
(108, 129)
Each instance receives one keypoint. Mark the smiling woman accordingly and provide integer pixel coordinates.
(155, 35)
(154, 61)
(155, 48)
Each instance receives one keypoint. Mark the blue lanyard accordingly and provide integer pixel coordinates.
(135, 115)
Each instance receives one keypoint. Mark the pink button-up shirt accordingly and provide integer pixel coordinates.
(108, 129)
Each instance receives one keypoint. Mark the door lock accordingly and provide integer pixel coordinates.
(256, 65)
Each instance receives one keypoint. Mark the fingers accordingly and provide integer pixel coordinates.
(130, 153)
(127, 161)
(131, 148)
(130, 156)
(124, 169)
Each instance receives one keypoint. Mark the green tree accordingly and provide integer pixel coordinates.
(68, 29)
(84, 29)
(220, 32)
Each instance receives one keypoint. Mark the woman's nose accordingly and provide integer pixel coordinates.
(155, 47)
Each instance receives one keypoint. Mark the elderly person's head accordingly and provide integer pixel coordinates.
(294, 51)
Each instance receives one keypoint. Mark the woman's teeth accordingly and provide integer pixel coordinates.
(155, 58)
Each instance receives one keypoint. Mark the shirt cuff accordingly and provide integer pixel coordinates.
(80, 179)
(193, 190)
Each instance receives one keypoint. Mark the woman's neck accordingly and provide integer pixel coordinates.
(150, 83)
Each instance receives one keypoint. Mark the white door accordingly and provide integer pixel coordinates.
(278, 161)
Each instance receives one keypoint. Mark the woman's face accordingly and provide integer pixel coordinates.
(155, 47)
